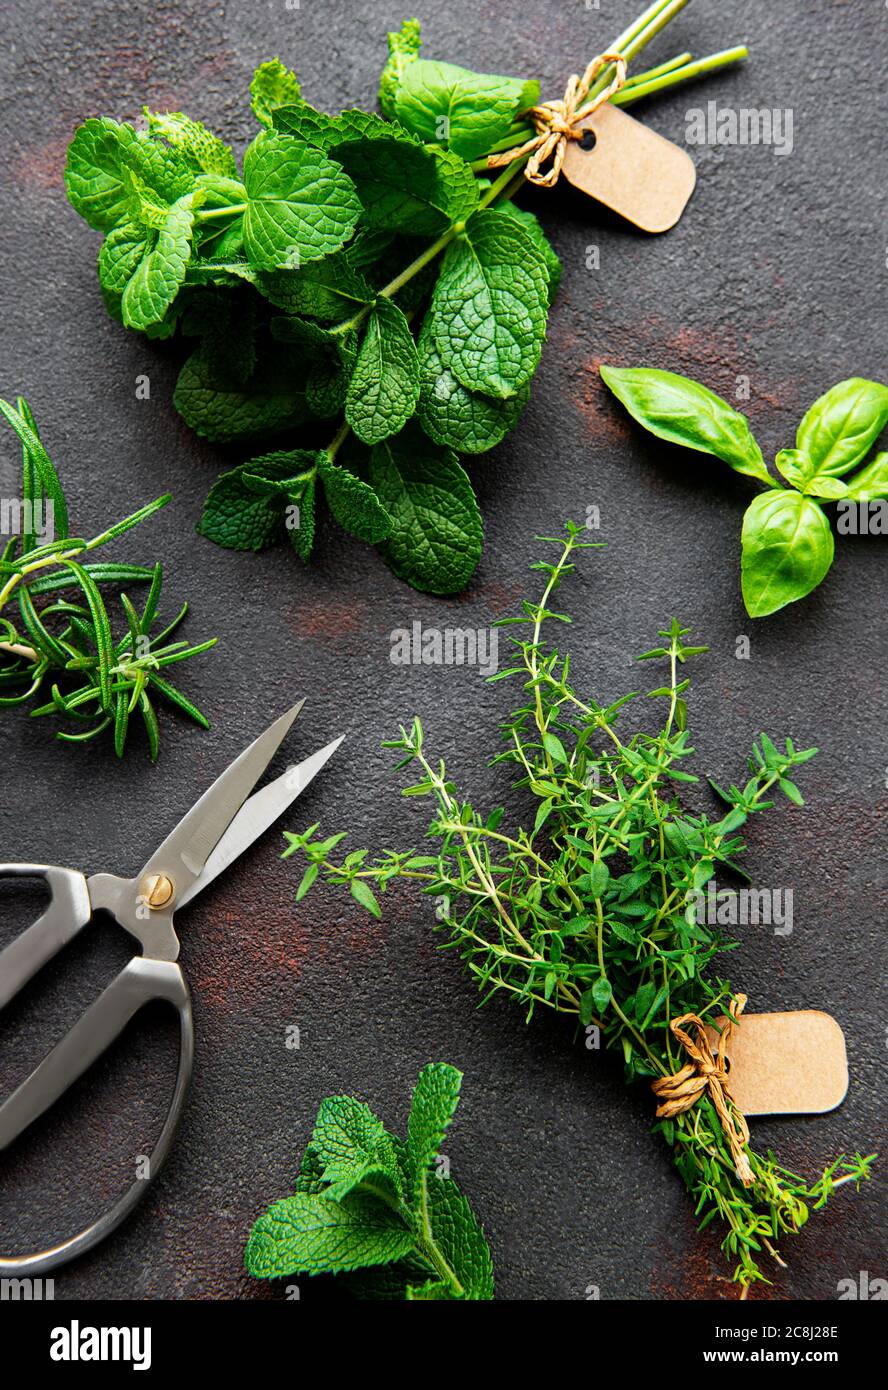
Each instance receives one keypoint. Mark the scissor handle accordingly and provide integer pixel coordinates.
(69, 911)
(140, 982)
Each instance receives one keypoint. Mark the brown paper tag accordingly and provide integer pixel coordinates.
(632, 170)
(786, 1064)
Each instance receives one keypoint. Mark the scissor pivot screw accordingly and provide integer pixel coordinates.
(157, 890)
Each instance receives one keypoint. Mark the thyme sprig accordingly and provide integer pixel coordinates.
(591, 911)
(95, 679)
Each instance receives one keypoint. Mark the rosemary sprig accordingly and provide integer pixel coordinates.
(95, 679)
(591, 910)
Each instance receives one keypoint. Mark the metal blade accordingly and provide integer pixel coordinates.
(258, 814)
(184, 853)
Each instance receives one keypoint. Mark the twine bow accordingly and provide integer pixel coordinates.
(707, 1072)
(556, 122)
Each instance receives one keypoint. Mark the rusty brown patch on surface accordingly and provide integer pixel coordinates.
(43, 167)
(330, 620)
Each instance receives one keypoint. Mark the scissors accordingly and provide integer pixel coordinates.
(223, 823)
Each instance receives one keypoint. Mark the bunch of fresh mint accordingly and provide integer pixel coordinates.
(349, 279)
(359, 279)
(375, 1209)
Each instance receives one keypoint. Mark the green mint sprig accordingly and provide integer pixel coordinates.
(61, 638)
(787, 542)
(372, 1208)
(357, 283)
(590, 906)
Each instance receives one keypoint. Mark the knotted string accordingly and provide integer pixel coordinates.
(707, 1072)
(556, 122)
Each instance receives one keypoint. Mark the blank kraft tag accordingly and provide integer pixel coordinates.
(632, 170)
(786, 1064)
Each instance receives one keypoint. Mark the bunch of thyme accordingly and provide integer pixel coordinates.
(591, 910)
(69, 637)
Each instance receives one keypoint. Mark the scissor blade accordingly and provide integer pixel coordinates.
(184, 853)
(258, 814)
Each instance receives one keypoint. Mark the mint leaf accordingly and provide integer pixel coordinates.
(158, 276)
(353, 503)
(120, 256)
(251, 507)
(403, 47)
(95, 171)
(460, 1239)
(273, 85)
(308, 1234)
(302, 537)
(433, 1291)
(530, 223)
(272, 399)
(238, 518)
(467, 111)
(330, 290)
(310, 1177)
(490, 306)
(435, 1099)
(157, 176)
(405, 187)
(437, 533)
(365, 1208)
(384, 385)
(199, 147)
(353, 1147)
(454, 416)
(300, 204)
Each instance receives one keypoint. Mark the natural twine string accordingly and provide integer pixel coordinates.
(707, 1072)
(556, 122)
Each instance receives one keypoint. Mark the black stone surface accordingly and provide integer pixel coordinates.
(777, 274)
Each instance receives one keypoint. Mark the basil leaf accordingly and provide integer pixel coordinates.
(871, 483)
(841, 427)
(788, 548)
(490, 305)
(680, 410)
(300, 204)
(437, 533)
(384, 385)
(466, 111)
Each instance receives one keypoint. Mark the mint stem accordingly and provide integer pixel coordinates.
(428, 1246)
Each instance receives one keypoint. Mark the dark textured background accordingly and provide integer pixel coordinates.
(777, 272)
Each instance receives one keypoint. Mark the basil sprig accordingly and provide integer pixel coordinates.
(788, 544)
